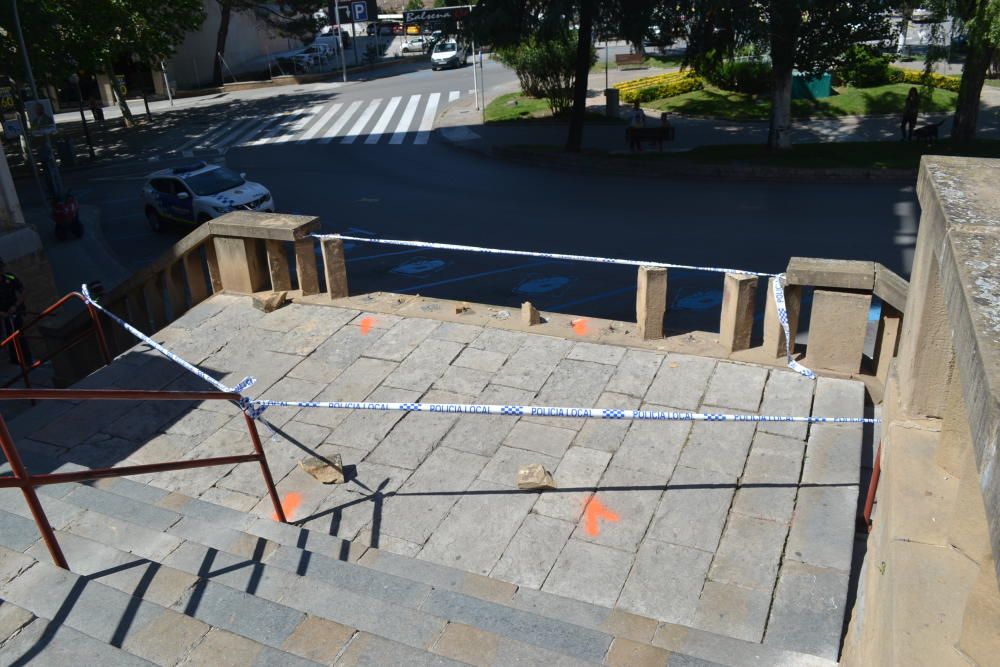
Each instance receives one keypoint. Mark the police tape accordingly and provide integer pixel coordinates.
(778, 282)
(555, 411)
(238, 389)
(256, 407)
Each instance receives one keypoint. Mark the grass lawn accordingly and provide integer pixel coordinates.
(847, 101)
(993, 82)
(514, 107)
(663, 62)
(853, 154)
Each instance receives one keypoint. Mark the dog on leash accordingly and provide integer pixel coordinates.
(927, 132)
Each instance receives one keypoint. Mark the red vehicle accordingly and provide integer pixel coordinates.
(66, 215)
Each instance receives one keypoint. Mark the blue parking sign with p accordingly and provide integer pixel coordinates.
(360, 11)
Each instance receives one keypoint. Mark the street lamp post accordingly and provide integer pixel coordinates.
(51, 168)
(74, 79)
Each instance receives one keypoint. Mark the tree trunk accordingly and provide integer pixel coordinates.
(225, 9)
(977, 61)
(785, 21)
(575, 139)
(127, 119)
(779, 135)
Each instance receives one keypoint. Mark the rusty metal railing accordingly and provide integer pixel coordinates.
(21, 478)
(17, 337)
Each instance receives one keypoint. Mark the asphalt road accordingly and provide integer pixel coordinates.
(375, 175)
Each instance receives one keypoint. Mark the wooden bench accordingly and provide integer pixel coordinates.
(635, 136)
(629, 60)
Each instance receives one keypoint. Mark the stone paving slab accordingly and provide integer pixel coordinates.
(700, 510)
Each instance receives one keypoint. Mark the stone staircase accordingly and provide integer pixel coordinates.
(162, 578)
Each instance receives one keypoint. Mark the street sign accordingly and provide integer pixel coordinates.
(360, 10)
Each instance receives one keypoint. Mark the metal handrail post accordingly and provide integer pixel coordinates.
(279, 511)
(99, 330)
(30, 497)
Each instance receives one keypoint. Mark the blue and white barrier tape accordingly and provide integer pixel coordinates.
(554, 411)
(778, 291)
(238, 389)
(255, 407)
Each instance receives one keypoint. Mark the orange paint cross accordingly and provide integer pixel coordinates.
(596, 510)
(366, 325)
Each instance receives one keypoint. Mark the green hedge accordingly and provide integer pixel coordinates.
(920, 78)
(655, 87)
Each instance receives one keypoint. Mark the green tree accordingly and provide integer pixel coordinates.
(981, 26)
(545, 68)
(291, 18)
(805, 35)
(66, 35)
(412, 5)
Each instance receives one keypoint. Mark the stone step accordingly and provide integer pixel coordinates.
(145, 632)
(328, 553)
(394, 608)
(29, 638)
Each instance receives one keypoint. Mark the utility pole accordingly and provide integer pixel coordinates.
(51, 168)
(340, 40)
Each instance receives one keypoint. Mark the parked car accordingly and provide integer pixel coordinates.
(319, 53)
(449, 53)
(414, 45)
(195, 193)
(385, 28)
(329, 35)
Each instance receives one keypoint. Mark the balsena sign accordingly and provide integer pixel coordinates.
(437, 14)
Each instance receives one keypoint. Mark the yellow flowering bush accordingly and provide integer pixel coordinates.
(919, 78)
(659, 86)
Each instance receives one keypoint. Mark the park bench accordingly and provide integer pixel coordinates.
(635, 136)
(629, 60)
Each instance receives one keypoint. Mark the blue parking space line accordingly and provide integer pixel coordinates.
(595, 297)
(384, 254)
(471, 276)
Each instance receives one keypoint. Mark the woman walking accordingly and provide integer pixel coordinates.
(909, 114)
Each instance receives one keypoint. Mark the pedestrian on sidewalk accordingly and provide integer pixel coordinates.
(909, 114)
(97, 110)
(12, 312)
(636, 120)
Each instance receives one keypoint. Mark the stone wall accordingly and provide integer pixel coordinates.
(928, 590)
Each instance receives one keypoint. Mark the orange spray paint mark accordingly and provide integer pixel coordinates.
(366, 325)
(289, 505)
(579, 327)
(596, 510)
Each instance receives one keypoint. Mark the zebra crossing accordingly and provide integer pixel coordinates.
(400, 119)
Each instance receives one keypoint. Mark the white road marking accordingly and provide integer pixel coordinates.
(404, 123)
(299, 125)
(272, 131)
(318, 125)
(244, 134)
(363, 120)
(341, 122)
(427, 121)
(454, 95)
(383, 121)
(194, 140)
(206, 140)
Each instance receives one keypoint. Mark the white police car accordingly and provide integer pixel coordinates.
(198, 192)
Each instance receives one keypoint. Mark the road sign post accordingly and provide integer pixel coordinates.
(340, 40)
(359, 12)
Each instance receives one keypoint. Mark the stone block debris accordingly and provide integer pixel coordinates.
(529, 314)
(327, 471)
(269, 301)
(534, 476)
